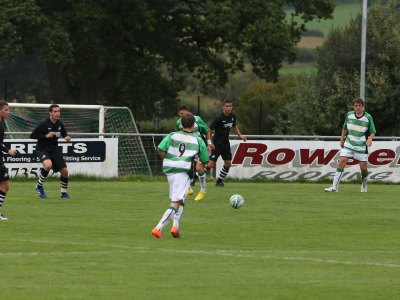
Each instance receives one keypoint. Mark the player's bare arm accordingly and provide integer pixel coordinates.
(12, 152)
(343, 137)
(210, 145)
(50, 134)
(369, 140)
(240, 135)
(161, 153)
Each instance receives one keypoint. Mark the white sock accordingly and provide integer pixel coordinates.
(203, 181)
(169, 213)
(178, 216)
(336, 179)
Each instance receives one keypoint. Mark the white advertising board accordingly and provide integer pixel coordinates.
(308, 160)
(91, 156)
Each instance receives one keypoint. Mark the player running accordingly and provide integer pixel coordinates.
(4, 176)
(178, 150)
(48, 152)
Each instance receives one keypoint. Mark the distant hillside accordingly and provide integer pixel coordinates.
(317, 33)
(341, 16)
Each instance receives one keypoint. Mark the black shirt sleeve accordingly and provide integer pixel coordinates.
(2, 130)
(39, 132)
(215, 122)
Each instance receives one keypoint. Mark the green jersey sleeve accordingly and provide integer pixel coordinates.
(203, 153)
(371, 124)
(164, 144)
(345, 120)
(202, 127)
(178, 125)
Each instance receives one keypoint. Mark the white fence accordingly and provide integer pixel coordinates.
(262, 157)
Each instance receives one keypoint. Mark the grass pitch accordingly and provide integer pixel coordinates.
(290, 241)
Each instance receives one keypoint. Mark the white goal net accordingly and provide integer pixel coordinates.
(88, 121)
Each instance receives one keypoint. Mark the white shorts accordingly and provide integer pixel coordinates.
(351, 154)
(179, 185)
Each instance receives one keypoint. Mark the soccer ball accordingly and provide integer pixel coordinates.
(236, 201)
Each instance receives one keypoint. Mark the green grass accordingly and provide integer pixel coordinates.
(343, 13)
(341, 16)
(297, 68)
(290, 241)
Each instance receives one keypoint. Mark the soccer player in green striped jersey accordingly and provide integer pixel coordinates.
(204, 132)
(357, 134)
(178, 150)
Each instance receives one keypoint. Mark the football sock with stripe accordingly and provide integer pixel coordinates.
(364, 176)
(169, 213)
(2, 198)
(42, 177)
(336, 179)
(223, 172)
(203, 180)
(178, 216)
(63, 184)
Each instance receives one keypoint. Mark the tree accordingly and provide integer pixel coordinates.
(339, 65)
(136, 51)
(25, 79)
(303, 113)
(261, 105)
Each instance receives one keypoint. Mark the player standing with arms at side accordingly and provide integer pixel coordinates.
(221, 126)
(48, 152)
(178, 150)
(204, 132)
(357, 134)
(4, 176)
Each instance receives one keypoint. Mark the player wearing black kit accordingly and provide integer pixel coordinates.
(221, 127)
(48, 152)
(4, 176)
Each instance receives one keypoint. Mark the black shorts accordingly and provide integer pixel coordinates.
(223, 150)
(4, 176)
(56, 158)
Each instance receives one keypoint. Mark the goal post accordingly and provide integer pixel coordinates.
(94, 121)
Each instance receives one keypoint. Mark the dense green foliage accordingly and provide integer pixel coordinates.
(344, 11)
(316, 103)
(293, 242)
(136, 52)
(339, 68)
(261, 105)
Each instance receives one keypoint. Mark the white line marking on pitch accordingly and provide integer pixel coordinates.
(53, 253)
(228, 253)
(270, 257)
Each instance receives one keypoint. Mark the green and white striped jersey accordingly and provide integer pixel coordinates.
(180, 148)
(358, 129)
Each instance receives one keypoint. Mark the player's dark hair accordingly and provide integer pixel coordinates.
(187, 120)
(53, 106)
(183, 107)
(3, 103)
(226, 101)
(358, 101)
